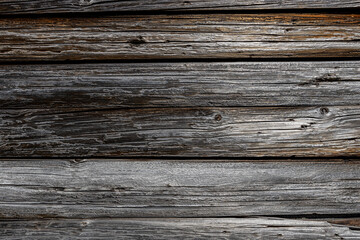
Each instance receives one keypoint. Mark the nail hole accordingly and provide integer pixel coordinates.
(84, 223)
(137, 41)
(324, 110)
(218, 117)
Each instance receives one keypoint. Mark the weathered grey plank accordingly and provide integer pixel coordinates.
(185, 228)
(97, 86)
(66, 6)
(180, 36)
(200, 132)
(160, 188)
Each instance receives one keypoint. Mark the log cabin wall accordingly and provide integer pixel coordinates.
(180, 119)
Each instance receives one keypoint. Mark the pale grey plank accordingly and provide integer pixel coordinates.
(194, 228)
(167, 188)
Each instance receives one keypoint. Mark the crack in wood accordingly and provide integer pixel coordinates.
(329, 77)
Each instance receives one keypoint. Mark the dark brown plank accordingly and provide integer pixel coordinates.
(66, 6)
(180, 36)
(352, 222)
(101, 188)
(185, 228)
(98, 86)
(200, 132)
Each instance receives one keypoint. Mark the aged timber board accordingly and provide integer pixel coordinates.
(68, 6)
(224, 84)
(84, 188)
(200, 132)
(170, 228)
(198, 36)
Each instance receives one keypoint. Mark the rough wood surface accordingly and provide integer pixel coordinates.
(99, 86)
(180, 36)
(229, 132)
(66, 6)
(185, 228)
(102, 188)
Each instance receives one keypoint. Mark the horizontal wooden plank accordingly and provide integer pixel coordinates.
(97, 86)
(194, 228)
(192, 132)
(102, 188)
(66, 6)
(180, 36)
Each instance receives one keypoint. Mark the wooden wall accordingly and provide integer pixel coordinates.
(180, 119)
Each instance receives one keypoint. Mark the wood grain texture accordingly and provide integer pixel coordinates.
(102, 188)
(191, 132)
(99, 86)
(194, 228)
(67, 6)
(180, 36)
